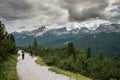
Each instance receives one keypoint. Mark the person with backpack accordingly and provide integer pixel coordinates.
(23, 54)
(31, 53)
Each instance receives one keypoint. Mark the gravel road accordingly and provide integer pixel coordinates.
(27, 69)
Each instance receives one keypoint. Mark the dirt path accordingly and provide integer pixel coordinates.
(27, 69)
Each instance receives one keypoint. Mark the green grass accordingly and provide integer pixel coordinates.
(8, 68)
(68, 73)
(60, 71)
(40, 61)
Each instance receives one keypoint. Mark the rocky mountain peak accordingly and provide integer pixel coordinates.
(84, 30)
(60, 31)
(108, 28)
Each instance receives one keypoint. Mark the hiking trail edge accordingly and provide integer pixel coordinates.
(27, 69)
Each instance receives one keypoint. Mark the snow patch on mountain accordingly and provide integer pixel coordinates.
(93, 24)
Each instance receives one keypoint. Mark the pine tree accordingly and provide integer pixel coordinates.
(71, 50)
(35, 44)
(101, 55)
(12, 38)
(2, 36)
(29, 47)
(88, 53)
(2, 30)
(7, 43)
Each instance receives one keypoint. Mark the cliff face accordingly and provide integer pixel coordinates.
(108, 28)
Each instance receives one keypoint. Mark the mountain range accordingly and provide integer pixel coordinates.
(105, 38)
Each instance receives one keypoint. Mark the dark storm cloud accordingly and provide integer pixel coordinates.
(116, 14)
(117, 3)
(81, 10)
(86, 14)
(78, 10)
(15, 9)
(26, 9)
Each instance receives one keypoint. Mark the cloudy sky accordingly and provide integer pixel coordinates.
(19, 15)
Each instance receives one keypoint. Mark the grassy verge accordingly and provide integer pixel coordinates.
(40, 61)
(68, 73)
(8, 68)
(60, 71)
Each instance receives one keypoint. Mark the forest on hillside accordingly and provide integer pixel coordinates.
(107, 42)
(7, 43)
(99, 67)
(8, 51)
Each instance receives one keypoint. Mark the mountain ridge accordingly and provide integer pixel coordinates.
(60, 31)
(106, 39)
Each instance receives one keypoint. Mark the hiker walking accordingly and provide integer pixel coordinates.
(31, 53)
(23, 54)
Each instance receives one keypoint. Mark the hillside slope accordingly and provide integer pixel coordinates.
(106, 42)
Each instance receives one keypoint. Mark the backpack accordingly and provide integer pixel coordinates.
(22, 52)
